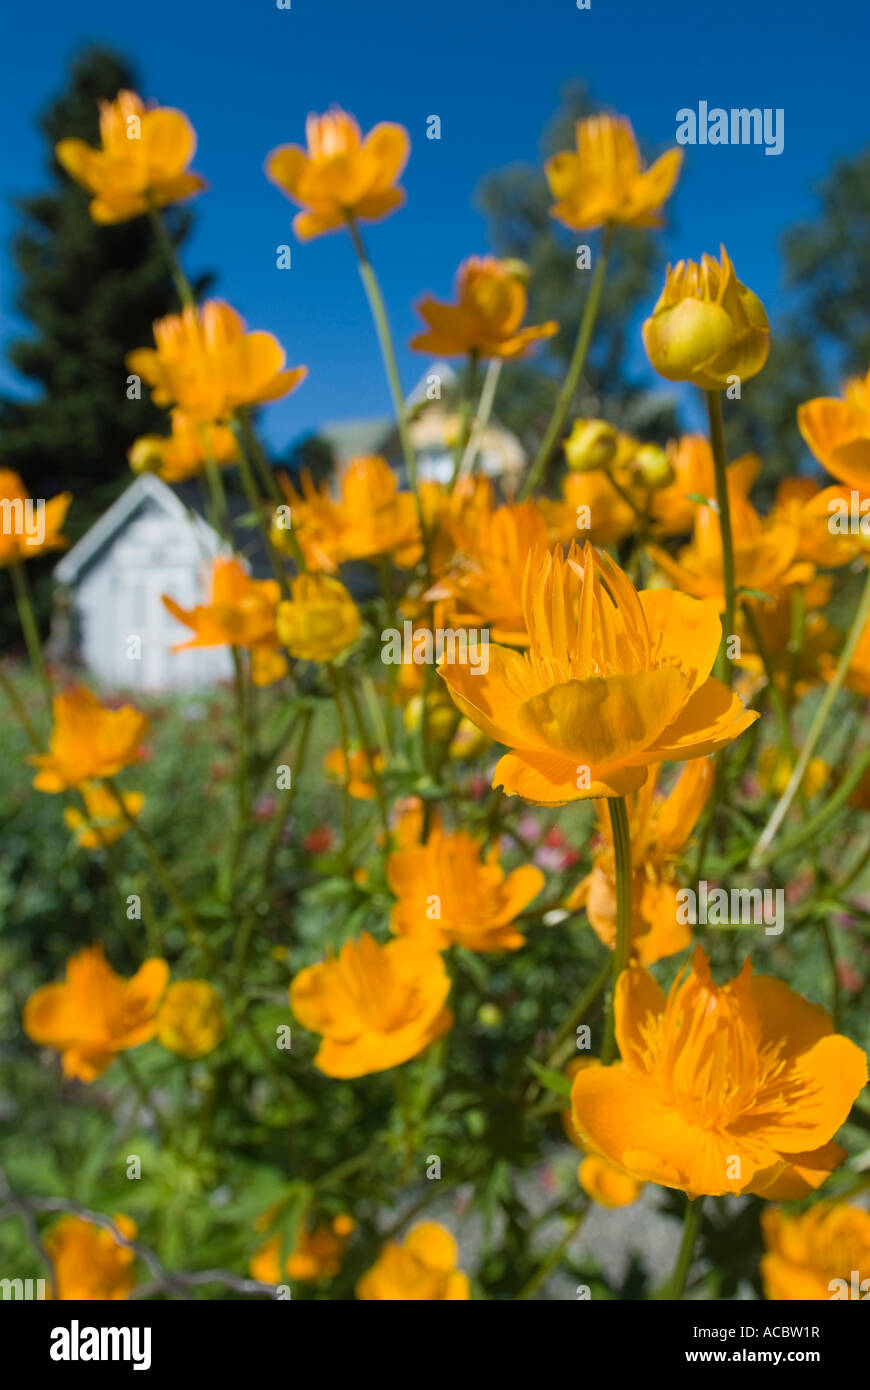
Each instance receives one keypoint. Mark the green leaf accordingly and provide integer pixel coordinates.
(553, 1080)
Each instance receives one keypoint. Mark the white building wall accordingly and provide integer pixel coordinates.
(118, 597)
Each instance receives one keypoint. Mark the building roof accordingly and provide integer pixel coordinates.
(181, 502)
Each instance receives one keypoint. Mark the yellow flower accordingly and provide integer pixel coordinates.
(673, 509)
(190, 1021)
(423, 1267)
(358, 777)
(795, 670)
(838, 432)
(141, 163)
(95, 1013)
(775, 769)
(732, 1088)
(102, 822)
(184, 453)
(87, 741)
(320, 618)
(28, 526)
(88, 1262)
(602, 180)
(450, 895)
(376, 1006)
(660, 826)
(812, 1254)
(591, 507)
(591, 445)
(490, 306)
(613, 681)
(802, 504)
(482, 588)
(205, 362)
(606, 1184)
(707, 326)
(765, 554)
(317, 1254)
(370, 517)
(341, 176)
(858, 671)
(241, 612)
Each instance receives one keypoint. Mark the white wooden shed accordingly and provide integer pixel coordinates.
(148, 543)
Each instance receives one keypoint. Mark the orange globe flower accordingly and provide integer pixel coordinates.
(613, 681)
(838, 432)
(102, 822)
(603, 181)
(814, 1254)
(490, 306)
(28, 526)
(141, 163)
(95, 1014)
(370, 517)
(317, 1254)
(765, 554)
(858, 670)
(660, 827)
(319, 620)
(450, 895)
(732, 1088)
(87, 1261)
(87, 741)
(606, 1184)
(341, 176)
(241, 612)
(707, 327)
(205, 362)
(593, 507)
(673, 508)
(422, 1268)
(190, 1022)
(825, 538)
(482, 587)
(376, 1006)
(794, 671)
(354, 771)
(184, 453)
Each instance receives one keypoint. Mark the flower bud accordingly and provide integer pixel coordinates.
(591, 445)
(707, 327)
(652, 466)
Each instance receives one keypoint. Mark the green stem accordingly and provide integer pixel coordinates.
(622, 950)
(774, 692)
(465, 418)
(720, 469)
(182, 284)
(345, 748)
(367, 749)
(546, 1267)
(575, 370)
(388, 353)
(563, 1041)
(29, 626)
(163, 875)
(820, 719)
(481, 419)
(255, 503)
(691, 1226)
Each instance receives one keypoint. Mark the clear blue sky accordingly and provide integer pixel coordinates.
(247, 73)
